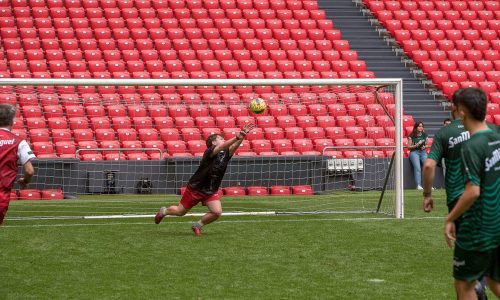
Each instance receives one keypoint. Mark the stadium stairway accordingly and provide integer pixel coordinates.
(381, 59)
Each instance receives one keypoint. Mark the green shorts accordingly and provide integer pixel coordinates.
(473, 265)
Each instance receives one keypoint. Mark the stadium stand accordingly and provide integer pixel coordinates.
(455, 46)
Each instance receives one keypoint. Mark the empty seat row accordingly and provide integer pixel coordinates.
(174, 96)
(148, 13)
(167, 22)
(419, 53)
(202, 68)
(436, 15)
(490, 36)
(36, 194)
(480, 61)
(371, 130)
(122, 39)
(377, 5)
(345, 106)
(443, 26)
(214, 44)
(263, 191)
(161, 4)
(259, 146)
(169, 57)
(179, 123)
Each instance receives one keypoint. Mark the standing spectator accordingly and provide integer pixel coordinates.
(446, 121)
(477, 239)
(417, 142)
(12, 150)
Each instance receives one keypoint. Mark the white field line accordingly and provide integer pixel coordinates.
(222, 221)
(138, 215)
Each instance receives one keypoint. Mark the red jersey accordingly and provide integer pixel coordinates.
(9, 144)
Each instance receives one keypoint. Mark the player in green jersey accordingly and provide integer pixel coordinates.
(477, 240)
(446, 149)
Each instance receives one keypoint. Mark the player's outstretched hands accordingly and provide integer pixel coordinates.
(428, 204)
(247, 128)
(449, 233)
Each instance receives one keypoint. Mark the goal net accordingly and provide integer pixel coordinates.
(322, 146)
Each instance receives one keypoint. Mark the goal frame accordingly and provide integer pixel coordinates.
(396, 82)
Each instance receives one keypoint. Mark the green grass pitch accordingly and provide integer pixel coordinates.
(253, 257)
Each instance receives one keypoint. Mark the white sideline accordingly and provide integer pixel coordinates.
(222, 221)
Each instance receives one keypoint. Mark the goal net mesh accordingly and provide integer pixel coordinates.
(323, 148)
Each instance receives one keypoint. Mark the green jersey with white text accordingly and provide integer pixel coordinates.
(447, 145)
(480, 225)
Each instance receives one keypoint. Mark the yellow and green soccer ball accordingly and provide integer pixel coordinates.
(257, 106)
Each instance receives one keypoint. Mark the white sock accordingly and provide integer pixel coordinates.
(199, 224)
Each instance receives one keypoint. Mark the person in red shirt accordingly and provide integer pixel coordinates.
(204, 184)
(12, 150)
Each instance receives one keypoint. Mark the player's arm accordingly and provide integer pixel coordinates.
(29, 171)
(465, 201)
(25, 155)
(240, 137)
(428, 173)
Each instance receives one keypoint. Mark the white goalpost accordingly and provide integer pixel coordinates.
(323, 146)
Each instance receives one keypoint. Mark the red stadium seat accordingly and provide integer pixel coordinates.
(257, 191)
(302, 190)
(196, 146)
(355, 132)
(30, 194)
(282, 145)
(234, 191)
(260, 146)
(52, 194)
(293, 133)
(303, 145)
(279, 190)
(39, 135)
(40, 148)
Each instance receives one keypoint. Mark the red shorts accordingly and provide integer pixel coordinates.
(4, 204)
(191, 197)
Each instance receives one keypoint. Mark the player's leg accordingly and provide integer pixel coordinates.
(494, 286)
(494, 273)
(214, 212)
(468, 267)
(173, 210)
(465, 290)
(417, 171)
(189, 199)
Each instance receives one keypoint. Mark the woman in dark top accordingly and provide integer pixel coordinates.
(417, 142)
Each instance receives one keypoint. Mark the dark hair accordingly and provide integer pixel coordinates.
(475, 101)
(455, 96)
(414, 131)
(446, 120)
(211, 138)
(7, 115)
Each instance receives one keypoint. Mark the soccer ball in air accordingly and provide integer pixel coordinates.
(257, 105)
